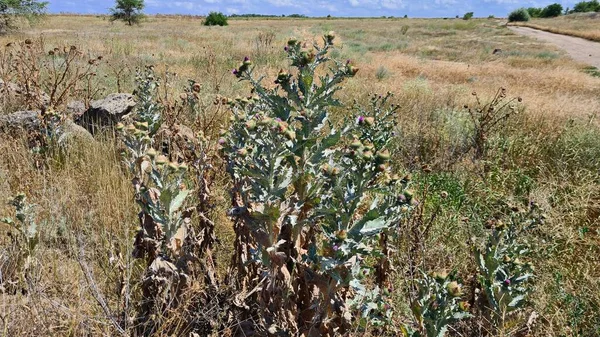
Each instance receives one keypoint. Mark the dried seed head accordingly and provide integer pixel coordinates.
(440, 276)
(161, 159)
(151, 152)
(289, 134)
(250, 125)
(454, 289)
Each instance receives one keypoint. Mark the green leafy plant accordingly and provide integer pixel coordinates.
(438, 304)
(16, 272)
(586, 6)
(519, 15)
(504, 275)
(162, 195)
(468, 16)
(165, 164)
(552, 11)
(216, 19)
(310, 200)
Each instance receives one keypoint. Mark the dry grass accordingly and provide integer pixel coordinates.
(552, 147)
(583, 25)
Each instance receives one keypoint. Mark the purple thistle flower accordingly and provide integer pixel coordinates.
(285, 48)
(348, 61)
(361, 119)
(246, 58)
(507, 282)
(235, 71)
(335, 248)
(221, 141)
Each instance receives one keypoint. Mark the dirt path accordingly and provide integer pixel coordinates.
(581, 50)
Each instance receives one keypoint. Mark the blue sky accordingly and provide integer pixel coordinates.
(412, 8)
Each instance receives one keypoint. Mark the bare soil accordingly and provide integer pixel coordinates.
(581, 50)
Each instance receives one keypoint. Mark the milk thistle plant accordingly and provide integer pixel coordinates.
(310, 198)
(162, 195)
(504, 273)
(17, 263)
(438, 305)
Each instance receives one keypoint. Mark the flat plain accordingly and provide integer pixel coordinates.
(547, 152)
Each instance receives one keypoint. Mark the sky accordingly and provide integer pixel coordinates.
(353, 8)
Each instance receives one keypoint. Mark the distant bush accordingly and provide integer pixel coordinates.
(519, 15)
(586, 6)
(468, 16)
(251, 15)
(552, 11)
(216, 19)
(534, 12)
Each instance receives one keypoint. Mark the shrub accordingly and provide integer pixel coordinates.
(216, 19)
(382, 73)
(310, 199)
(438, 305)
(586, 6)
(468, 16)
(519, 15)
(534, 12)
(504, 270)
(552, 11)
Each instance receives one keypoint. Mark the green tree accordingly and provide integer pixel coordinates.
(10, 10)
(129, 11)
(468, 16)
(586, 6)
(552, 11)
(535, 12)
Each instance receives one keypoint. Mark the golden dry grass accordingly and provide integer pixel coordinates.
(583, 25)
(433, 68)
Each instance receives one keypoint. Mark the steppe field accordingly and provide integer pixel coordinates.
(492, 132)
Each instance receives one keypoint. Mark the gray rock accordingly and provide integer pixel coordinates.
(26, 120)
(75, 109)
(71, 133)
(106, 112)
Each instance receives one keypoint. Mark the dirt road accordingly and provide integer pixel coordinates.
(581, 50)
